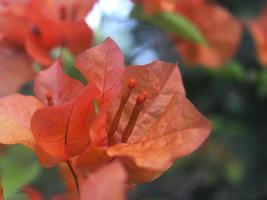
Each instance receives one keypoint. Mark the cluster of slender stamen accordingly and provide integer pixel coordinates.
(135, 113)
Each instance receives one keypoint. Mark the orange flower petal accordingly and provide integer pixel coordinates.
(13, 27)
(33, 194)
(221, 30)
(76, 36)
(39, 53)
(15, 68)
(71, 10)
(108, 182)
(55, 82)
(104, 66)
(156, 6)
(16, 112)
(176, 129)
(260, 39)
(92, 159)
(258, 29)
(159, 80)
(62, 131)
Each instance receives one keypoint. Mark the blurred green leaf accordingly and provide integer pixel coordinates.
(67, 60)
(234, 171)
(233, 70)
(68, 65)
(18, 197)
(18, 168)
(262, 83)
(172, 22)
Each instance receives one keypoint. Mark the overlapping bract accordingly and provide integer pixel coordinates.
(109, 182)
(68, 126)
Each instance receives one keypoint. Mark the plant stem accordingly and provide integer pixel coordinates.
(75, 177)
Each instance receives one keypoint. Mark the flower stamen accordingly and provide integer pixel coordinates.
(49, 99)
(116, 119)
(135, 113)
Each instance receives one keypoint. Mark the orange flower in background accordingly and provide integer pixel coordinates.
(138, 114)
(220, 29)
(71, 10)
(67, 28)
(156, 6)
(258, 29)
(34, 28)
(15, 68)
(46, 26)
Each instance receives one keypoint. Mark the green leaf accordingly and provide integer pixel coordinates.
(234, 171)
(68, 65)
(20, 196)
(18, 168)
(96, 107)
(67, 60)
(232, 70)
(172, 22)
(262, 83)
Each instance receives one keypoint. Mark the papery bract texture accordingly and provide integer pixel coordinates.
(15, 68)
(104, 65)
(15, 115)
(108, 182)
(55, 83)
(62, 131)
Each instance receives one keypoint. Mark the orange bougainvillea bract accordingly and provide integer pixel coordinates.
(258, 29)
(109, 182)
(137, 114)
(30, 30)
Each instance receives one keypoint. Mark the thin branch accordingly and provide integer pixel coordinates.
(75, 177)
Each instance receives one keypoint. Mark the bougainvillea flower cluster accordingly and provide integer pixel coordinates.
(31, 29)
(138, 115)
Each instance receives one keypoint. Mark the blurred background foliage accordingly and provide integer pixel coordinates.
(231, 163)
